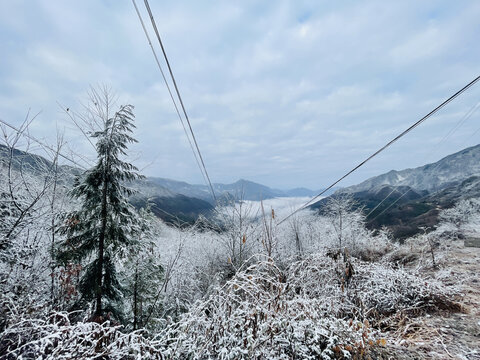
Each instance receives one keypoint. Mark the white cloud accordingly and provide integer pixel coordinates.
(427, 44)
(285, 93)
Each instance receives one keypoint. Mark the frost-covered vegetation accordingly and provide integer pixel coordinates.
(238, 286)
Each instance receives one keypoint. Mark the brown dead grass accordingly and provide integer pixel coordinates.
(452, 330)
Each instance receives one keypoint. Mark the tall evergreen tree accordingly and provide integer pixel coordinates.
(102, 228)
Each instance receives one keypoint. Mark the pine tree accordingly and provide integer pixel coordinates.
(102, 228)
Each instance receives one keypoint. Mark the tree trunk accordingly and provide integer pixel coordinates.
(135, 291)
(340, 230)
(52, 246)
(98, 310)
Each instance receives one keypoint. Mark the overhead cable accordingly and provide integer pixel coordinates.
(464, 118)
(147, 6)
(169, 90)
(458, 93)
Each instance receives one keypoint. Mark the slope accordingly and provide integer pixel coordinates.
(408, 201)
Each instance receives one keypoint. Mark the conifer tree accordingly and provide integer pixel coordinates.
(101, 229)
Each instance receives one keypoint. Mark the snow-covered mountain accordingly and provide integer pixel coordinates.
(241, 189)
(446, 172)
(169, 198)
(34, 165)
(408, 200)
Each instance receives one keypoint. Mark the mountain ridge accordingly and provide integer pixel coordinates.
(430, 177)
(410, 200)
(170, 199)
(242, 189)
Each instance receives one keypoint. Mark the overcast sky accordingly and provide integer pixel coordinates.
(285, 93)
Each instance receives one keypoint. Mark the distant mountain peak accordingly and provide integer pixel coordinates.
(451, 169)
(408, 200)
(241, 189)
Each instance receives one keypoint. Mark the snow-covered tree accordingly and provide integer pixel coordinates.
(31, 192)
(341, 213)
(101, 229)
(240, 232)
(462, 218)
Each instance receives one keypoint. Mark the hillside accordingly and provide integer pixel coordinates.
(168, 205)
(448, 171)
(176, 209)
(35, 165)
(171, 200)
(239, 190)
(408, 200)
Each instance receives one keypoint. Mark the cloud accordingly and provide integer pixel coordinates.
(285, 93)
(431, 42)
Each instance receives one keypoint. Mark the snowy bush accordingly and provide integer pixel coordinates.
(316, 308)
(257, 314)
(308, 233)
(364, 290)
(461, 220)
(56, 338)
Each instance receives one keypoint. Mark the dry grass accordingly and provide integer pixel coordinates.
(453, 330)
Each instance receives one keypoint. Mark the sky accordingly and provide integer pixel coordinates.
(284, 93)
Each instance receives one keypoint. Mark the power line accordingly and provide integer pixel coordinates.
(459, 92)
(41, 144)
(169, 90)
(466, 117)
(462, 120)
(147, 6)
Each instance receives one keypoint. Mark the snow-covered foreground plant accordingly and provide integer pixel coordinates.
(56, 338)
(462, 219)
(256, 315)
(315, 308)
(364, 290)
(28, 207)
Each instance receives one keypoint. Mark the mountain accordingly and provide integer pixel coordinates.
(180, 187)
(34, 165)
(171, 200)
(247, 190)
(177, 209)
(406, 201)
(166, 204)
(239, 190)
(448, 171)
(172, 207)
(411, 213)
(468, 188)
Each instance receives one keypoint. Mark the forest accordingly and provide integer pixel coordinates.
(85, 274)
